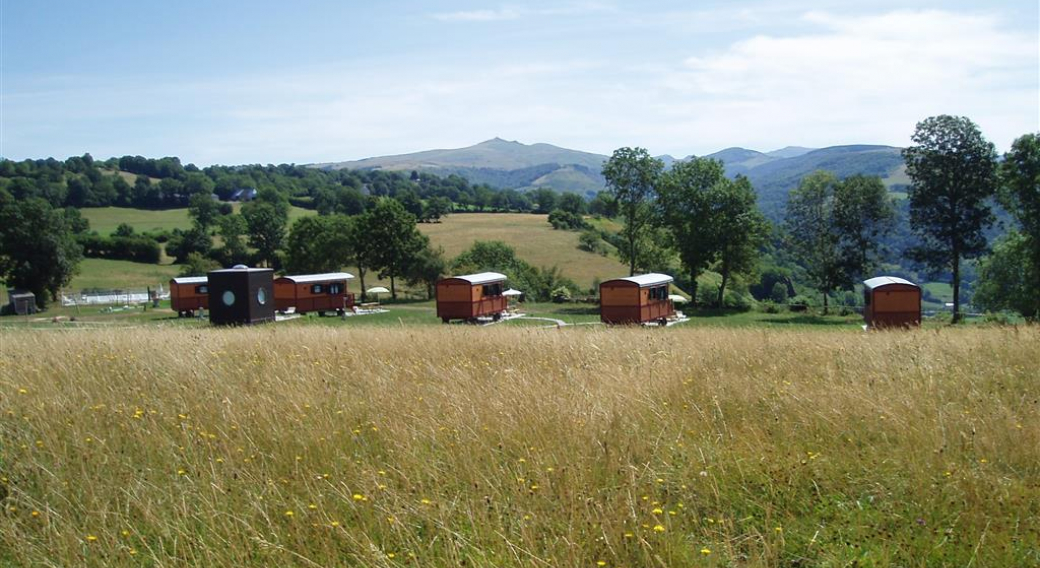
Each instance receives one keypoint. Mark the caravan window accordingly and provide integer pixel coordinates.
(316, 289)
(204, 289)
(493, 289)
(335, 289)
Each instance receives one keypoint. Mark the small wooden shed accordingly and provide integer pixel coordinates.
(241, 295)
(189, 294)
(471, 296)
(23, 302)
(313, 293)
(889, 301)
(636, 299)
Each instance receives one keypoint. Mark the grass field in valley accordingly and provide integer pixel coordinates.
(533, 239)
(105, 220)
(320, 446)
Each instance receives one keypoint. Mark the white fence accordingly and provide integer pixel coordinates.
(109, 297)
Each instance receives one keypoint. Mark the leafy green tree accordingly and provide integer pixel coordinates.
(393, 231)
(572, 203)
(203, 209)
(186, 242)
(953, 173)
(364, 247)
(603, 205)
(565, 220)
(38, 251)
(1008, 279)
(411, 202)
(77, 223)
(124, 230)
(426, 268)
(740, 229)
(833, 227)
(198, 265)
(437, 207)
(319, 244)
(544, 199)
(232, 229)
(266, 224)
(863, 214)
(632, 177)
(685, 203)
(1020, 194)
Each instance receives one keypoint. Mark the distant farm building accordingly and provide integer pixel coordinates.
(471, 296)
(636, 299)
(244, 194)
(22, 302)
(891, 302)
(314, 293)
(241, 296)
(189, 295)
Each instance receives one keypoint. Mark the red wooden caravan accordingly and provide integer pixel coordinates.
(470, 297)
(891, 302)
(189, 294)
(636, 299)
(314, 293)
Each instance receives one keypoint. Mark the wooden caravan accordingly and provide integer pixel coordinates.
(891, 302)
(189, 294)
(241, 296)
(313, 293)
(470, 297)
(636, 299)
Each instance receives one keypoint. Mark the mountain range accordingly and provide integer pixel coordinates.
(510, 164)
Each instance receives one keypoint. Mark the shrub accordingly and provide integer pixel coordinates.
(565, 220)
(137, 248)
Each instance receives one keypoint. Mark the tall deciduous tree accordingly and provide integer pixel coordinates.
(740, 229)
(1008, 279)
(319, 243)
(685, 206)
(38, 251)
(953, 173)
(267, 217)
(832, 227)
(1020, 195)
(233, 229)
(632, 177)
(391, 240)
(204, 210)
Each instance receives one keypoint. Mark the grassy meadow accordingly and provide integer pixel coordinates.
(533, 239)
(323, 446)
(105, 220)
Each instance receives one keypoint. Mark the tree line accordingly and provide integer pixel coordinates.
(833, 229)
(164, 183)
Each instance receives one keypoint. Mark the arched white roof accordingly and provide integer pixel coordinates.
(481, 278)
(645, 280)
(307, 278)
(886, 280)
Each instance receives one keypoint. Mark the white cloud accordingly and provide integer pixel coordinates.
(869, 78)
(518, 12)
(479, 15)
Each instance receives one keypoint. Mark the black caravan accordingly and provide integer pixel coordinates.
(241, 296)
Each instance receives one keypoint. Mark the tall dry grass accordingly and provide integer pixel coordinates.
(515, 447)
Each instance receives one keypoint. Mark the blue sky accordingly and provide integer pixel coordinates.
(274, 82)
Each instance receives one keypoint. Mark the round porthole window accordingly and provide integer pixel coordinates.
(261, 296)
(228, 298)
